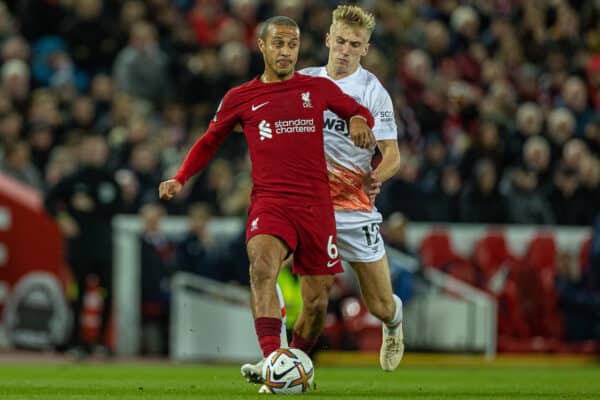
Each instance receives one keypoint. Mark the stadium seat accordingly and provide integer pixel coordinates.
(436, 249)
(491, 253)
(541, 252)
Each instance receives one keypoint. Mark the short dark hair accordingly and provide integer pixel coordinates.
(276, 20)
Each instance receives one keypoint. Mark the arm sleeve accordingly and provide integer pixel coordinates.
(205, 148)
(383, 114)
(343, 105)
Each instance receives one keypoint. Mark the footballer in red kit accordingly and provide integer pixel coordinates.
(283, 125)
(281, 114)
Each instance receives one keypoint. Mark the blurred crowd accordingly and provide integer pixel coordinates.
(496, 104)
(496, 100)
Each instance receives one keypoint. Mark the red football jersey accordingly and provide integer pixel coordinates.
(283, 125)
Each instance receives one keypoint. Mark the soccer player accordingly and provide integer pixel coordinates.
(281, 114)
(352, 182)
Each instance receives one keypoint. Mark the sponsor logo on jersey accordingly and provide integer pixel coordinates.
(256, 107)
(330, 264)
(386, 116)
(335, 124)
(264, 130)
(306, 100)
(295, 126)
(218, 109)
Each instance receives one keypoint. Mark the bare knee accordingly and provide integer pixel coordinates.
(315, 295)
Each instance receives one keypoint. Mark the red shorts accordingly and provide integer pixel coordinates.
(309, 232)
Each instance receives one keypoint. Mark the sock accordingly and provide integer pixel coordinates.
(306, 345)
(392, 326)
(268, 331)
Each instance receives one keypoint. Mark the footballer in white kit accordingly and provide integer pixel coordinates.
(353, 183)
(357, 219)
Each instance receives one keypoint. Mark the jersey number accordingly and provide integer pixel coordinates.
(332, 250)
(371, 233)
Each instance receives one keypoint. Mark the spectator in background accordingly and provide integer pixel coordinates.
(17, 164)
(481, 200)
(561, 127)
(141, 68)
(83, 204)
(536, 157)
(486, 144)
(11, 125)
(404, 262)
(15, 84)
(61, 164)
(444, 204)
(579, 301)
(157, 262)
(566, 200)
(402, 192)
(589, 177)
(91, 36)
(53, 66)
(192, 251)
(130, 191)
(524, 203)
(430, 172)
(15, 48)
(530, 121)
(574, 97)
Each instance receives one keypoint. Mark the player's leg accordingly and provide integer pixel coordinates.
(310, 322)
(376, 289)
(317, 261)
(266, 253)
(361, 244)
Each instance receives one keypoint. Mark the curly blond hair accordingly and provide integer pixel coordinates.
(354, 16)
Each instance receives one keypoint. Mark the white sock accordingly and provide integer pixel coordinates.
(392, 326)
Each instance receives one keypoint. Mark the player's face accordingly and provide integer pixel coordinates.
(346, 46)
(280, 50)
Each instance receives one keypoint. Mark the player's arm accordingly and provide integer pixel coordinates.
(202, 151)
(386, 133)
(360, 120)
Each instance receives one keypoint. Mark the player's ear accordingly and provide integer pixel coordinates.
(328, 40)
(366, 50)
(261, 45)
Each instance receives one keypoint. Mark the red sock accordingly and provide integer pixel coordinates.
(268, 331)
(306, 345)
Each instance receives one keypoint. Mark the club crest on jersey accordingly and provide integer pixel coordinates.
(254, 224)
(306, 100)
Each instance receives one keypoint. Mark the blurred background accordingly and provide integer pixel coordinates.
(490, 222)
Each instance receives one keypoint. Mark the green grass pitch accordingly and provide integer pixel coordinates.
(170, 381)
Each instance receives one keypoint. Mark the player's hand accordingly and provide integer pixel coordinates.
(68, 226)
(82, 202)
(360, 133)
(168, 189)
(371, 186)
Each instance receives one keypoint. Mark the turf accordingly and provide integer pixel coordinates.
(165, 382)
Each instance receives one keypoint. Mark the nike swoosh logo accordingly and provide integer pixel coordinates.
(254, 108)
(284, 373)
(332, 263)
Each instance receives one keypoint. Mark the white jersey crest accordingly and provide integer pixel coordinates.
(346, 163)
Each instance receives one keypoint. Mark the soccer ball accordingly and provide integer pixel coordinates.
(288, 371)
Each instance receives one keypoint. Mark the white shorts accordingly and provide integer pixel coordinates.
(358, 236)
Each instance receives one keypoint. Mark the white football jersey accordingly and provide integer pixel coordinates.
(346, 163)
